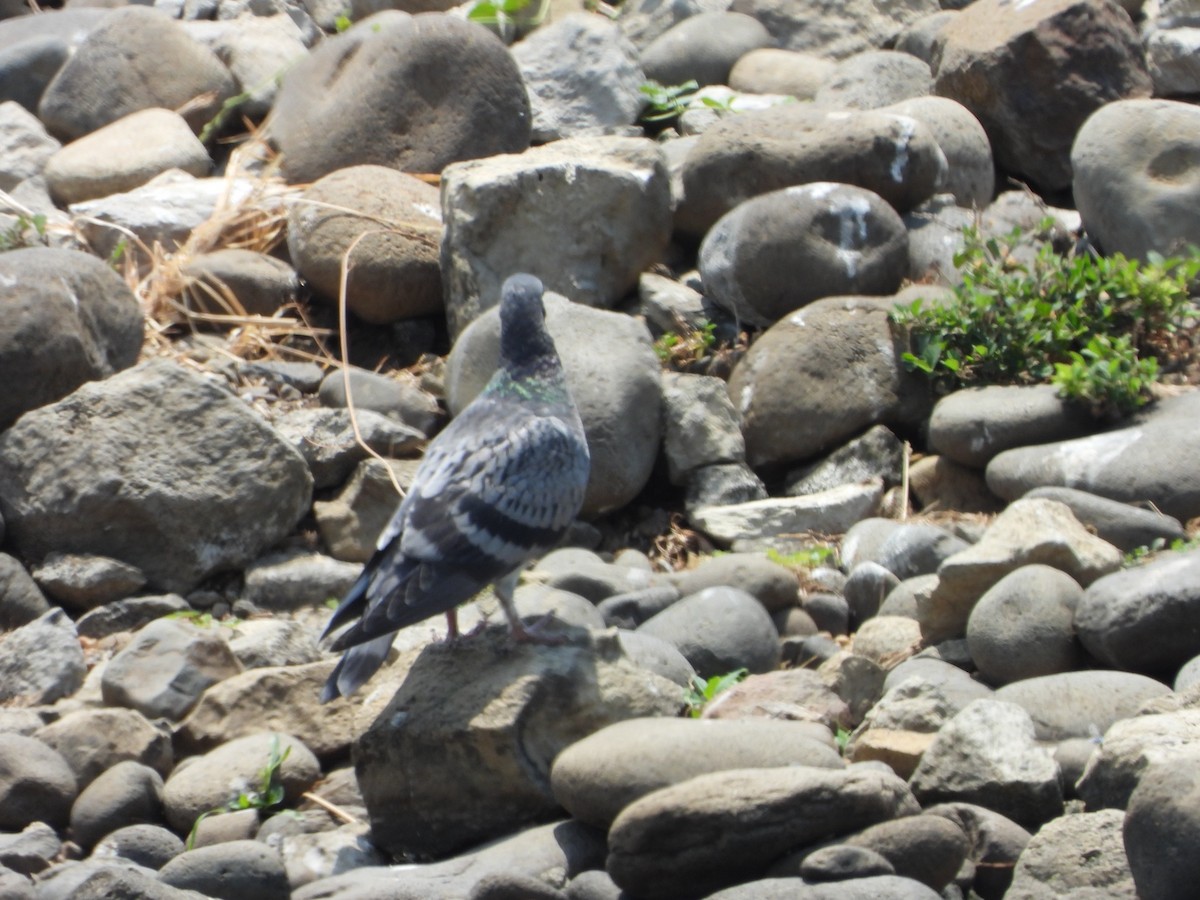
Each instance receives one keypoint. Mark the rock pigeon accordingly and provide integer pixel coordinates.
(497, 488)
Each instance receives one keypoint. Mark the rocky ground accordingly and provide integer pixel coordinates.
(968, 624)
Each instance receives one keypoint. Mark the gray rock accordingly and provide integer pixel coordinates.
(875, 78)
(211, 487)
(618, 392)
(111, 879)
(92, 741)
(123, 155)
(631, 609)
(892, 887)
(770, 70)
(21, 601)
(400, 399)
(597, 777)
(1034, 119)
(832, 365)
(754, 523)
(264, 643)
(755, 153)
(586, 574)
(393, 270)
(351, 521)
(1160, 829)
(779, 251)
(1124, 526)
(582, 74)
(1077, 856)
(86, 322)
(612, 193)
(288, 580)
(166, 667)
(311, 857)
(1129, 748)
(700, 425)
(257, 285)
(970, 169)
(657, 656)
(955, 683)
(81, 582)
(151, 846)
(866, 587)
(920, 37)
(1188, 675)
(504, 741)
(837, 862)
(259, 47)
(750, 817)
(1126, 203)
(361, 98)
(233, 869)
(703, 48)
(28, 852)
(25, 146)
(972, 426)
(1029, 531)
(36, 784)
(987, 755)
(718, 630)
(1170, 57)
(852, 27)
(913, 548)
(830, 612)
(644, 20)
(801, 695)
(1144, 619)
(209, 781)
(996, 844)
(127, 794)
(325, 438)
(925, 848)
(723, 484)
(41, 662)
(129, 614)
(1080, 704)
(935, 237)
(877, 453)
(135, 59)
(909, 597)
(1023, 626)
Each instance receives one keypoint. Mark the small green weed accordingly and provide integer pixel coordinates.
(702, 691)
(806, 558)
(18, 235)
(342, 23)
(203, 618)
(496, 10)
(1145, 553)
(675, 350)
(266, 795)
(666, 102)
(841, 738)
(1091, 325)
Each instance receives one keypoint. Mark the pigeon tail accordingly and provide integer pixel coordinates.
(354, 669)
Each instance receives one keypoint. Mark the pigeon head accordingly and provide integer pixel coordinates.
(523, 335)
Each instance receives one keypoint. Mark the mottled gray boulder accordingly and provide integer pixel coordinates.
(700, 425)
(295, 578)
(781, 250)
(325, 438)
(389, 222)
(135, 59)
(703, 48)
(260, 285)
(996, 844)
(644, 20)
(618, 391)
(723, 484)
(166, 667)
(773, 585)
(928, 849)
(366, 96)
(718, 630)
(836, 32)
(1160, 830)
(973, 425)
(998, 60)
(1124, 526)
(25, 146)
(1134, 179)
(147, 845)
(582, 75)
(1171, 59)
(866, 587)
(987, 755)
(770, 70)
(1146, 618)
(875, 78)
(30, 851)
(1024, 627)
(1076, 856)
(260, 47)
(107, 879)
(36, 785)
(231, 869)
(597, 777)
(69, 319)
(610, 193)
(893, 887)
(728, 827)
(821, 376)
(463, 750)
(350, 523)
(92, 741)
(80, 582)
(876, 453)
(127, 794)
(1130, 747)
(123, 155)
(401, 399)
(129, 614)
(41, 661)
(34, 48)
(210, 486)
(755, 523)
(757, 152)
(1080, 704)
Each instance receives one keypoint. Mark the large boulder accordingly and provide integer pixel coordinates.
(383, 92)
(156, 467)
(835, 30)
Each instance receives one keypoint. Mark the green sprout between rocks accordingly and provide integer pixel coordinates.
(18, 235)
(203, 618)
(806, 558)
(1096, 327)
(674, 349)
(702, 691)
(267, 794)
(1139, 555)
(666, 102)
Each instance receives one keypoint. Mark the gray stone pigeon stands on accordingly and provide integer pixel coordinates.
(496, 489)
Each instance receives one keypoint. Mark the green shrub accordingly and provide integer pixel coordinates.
(1095, 326)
